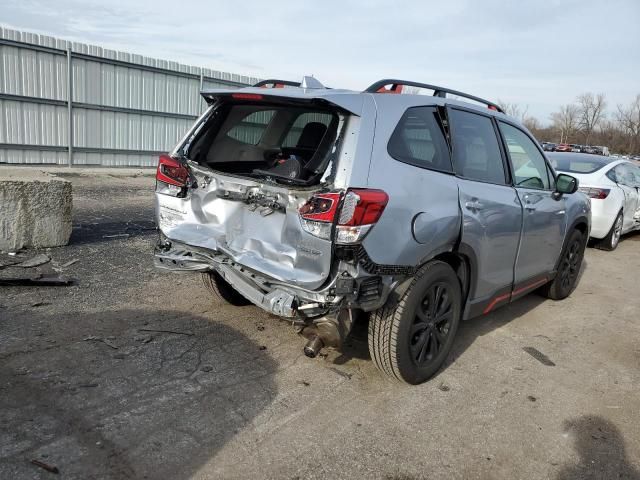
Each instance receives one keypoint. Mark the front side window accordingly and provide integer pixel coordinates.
(476, 152)
(418, 140)
(529, 167)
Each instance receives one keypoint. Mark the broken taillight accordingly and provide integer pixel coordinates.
(360, 210)
(171, 176)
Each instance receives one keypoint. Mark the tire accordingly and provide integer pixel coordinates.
(411, 346)
(223, 289)
(568, 268)
(611, 241)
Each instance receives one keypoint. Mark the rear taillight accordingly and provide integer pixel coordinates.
(597, 193)
(360, 210)
(171, 176)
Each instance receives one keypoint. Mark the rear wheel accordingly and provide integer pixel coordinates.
(610, 242)
(410, 341)
(223, 289)
(568, 269)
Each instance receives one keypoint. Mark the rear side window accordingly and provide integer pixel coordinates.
(476, 151)
(529, 167)
(251, 128)
(418, 140)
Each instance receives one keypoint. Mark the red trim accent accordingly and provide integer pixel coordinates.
(504, 296)
(496, 300)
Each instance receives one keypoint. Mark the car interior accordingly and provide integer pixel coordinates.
(285, 142)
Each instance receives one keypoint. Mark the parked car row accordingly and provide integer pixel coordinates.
(613, 185)
(570, 147)
(326, 206)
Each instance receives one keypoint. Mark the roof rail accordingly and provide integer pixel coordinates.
(396, 87)
(276, 83)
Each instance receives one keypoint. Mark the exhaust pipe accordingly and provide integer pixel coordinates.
(313, 346)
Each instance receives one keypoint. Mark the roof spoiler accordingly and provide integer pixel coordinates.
(396, 87)
(274, 83)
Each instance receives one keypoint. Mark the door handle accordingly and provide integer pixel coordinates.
(474, 205)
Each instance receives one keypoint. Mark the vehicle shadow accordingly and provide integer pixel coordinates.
(601, 450)
(136, 404)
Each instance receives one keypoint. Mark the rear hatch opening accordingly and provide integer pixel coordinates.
(285, 142)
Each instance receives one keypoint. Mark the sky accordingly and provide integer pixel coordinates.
(537, 54)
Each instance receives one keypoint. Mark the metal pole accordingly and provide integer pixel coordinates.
(201, 78)
(70, 106)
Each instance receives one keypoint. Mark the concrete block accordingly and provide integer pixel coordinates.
(35, 209)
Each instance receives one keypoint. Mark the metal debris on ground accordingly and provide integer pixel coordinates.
(40, 304)
(36, 261)
(117, 235)
(143, 338)
(48, 468)
(190, 334)
(39, 279)
(341, 373)
(69, 263)
(538, 355)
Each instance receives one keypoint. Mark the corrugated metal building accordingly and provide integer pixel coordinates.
(125, 108)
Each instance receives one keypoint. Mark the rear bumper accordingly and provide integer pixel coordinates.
(603, 214)
(362, 291)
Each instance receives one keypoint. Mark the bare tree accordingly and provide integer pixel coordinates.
(629, 120)
(591, 109)
(566, 121)
(532, 123)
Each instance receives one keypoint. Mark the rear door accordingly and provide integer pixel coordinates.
(544, 218)
(491, 210)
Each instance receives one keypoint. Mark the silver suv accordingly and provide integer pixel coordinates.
(326, 206)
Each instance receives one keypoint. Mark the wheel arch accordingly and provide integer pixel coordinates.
(581, 224)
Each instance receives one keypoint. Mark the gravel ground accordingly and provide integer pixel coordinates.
(136, 373)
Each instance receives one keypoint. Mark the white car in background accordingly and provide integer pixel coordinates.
(613, 185)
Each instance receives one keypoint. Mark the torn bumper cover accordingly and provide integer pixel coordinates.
(283, 299)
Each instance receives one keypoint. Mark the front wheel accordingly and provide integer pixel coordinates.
(410, 341)
(568, 269)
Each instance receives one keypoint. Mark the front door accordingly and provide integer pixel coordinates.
(544, 219)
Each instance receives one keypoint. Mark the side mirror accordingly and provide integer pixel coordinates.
(566, 183)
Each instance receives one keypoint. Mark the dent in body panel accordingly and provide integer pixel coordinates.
(491, 232)
(422, 218)
(231, 216)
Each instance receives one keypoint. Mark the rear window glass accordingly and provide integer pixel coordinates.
(250, 129)
(418, 140)
(572, 164)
